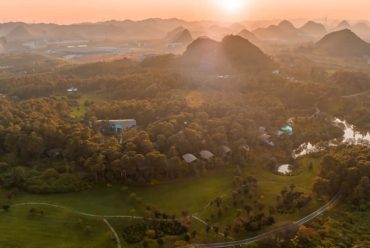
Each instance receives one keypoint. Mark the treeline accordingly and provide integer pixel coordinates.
(176, 114)
(346, 171)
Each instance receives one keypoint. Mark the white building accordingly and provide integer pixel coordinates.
(72, 90)
(115, 125)
(206, 154)
(189, 158)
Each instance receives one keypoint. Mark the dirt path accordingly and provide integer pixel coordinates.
(357, 94)
(114, 233)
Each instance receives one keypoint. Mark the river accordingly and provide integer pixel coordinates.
(350, 137)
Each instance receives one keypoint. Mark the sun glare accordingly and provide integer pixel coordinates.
(231, 6)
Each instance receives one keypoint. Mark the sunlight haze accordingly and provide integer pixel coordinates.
(71, 11)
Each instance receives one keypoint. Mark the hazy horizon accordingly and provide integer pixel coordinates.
(77, 11)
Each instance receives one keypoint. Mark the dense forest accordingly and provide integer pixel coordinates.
(50, 143)
(176, 114)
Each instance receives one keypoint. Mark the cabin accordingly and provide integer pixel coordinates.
(206, 155)
(262, 130)
(266, 139)
(287, 130)
(189, 158)
(226, 149)
(116, 126)
(245, 148)
(72, 90)
(55, 153)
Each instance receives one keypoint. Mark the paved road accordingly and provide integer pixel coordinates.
(274, 231)
(321, 210)
(357, 94)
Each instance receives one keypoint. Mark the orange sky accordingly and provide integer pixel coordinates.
(70, 11)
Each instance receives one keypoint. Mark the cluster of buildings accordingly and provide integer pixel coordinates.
(207, 155)
(204, 154)
(72, 90)
(265, 138)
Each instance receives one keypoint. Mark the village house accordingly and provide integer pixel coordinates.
(116, 126)
(189, 158)
(207, 155)
(72, 90)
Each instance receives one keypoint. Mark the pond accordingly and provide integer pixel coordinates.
(285, 169)
(350, 136)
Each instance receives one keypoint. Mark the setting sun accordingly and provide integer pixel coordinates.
(231, 6)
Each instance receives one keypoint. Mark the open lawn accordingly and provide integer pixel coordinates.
(172, 197)
(53, 229)
(81, 109)
(269, 187)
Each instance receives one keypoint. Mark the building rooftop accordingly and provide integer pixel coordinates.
(189, 158)
(287, 129)
(206, 154)
(226, 149)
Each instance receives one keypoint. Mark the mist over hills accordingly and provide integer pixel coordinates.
(343, 25)
(246, 34)
(156, 28)
(344, 43)
(285, 31)
(314, 29)
(179, 35)
(19, 34)
(85, 42)
(232, 54)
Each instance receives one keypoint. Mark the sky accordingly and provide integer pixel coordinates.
(72, 11)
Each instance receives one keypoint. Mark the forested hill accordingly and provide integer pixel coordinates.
(176, 113)
(343, 43)
(232, 54)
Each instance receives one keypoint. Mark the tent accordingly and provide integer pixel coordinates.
(189, 158)
(206, 154)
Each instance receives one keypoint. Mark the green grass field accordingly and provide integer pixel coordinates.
(270, 185)
(173, 197)
(82, 109)
(55, 229)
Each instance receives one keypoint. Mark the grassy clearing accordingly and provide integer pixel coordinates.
(270, 184)
(173, 197)
(269, 187)
(55, 228)
(81, 109)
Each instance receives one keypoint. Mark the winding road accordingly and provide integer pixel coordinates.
(357, 94)
(259, 237)
(262, 236)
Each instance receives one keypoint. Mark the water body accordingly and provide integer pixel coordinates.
(285, 169)
(350, 136)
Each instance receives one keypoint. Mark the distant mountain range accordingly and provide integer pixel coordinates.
(343, 43)
(285, 31)
(314, 29)
(249, 36)
(179, 35)
(166, 31)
